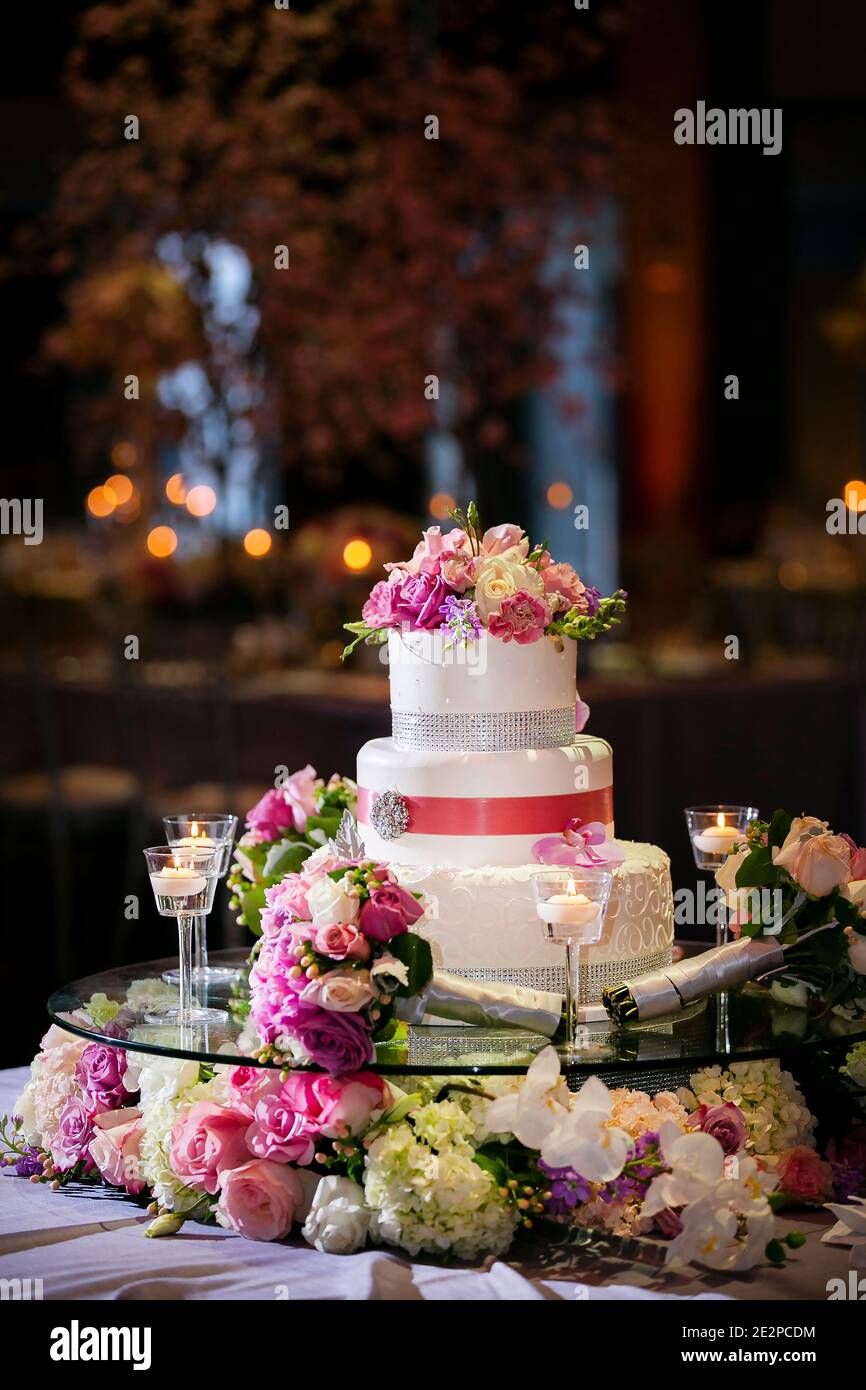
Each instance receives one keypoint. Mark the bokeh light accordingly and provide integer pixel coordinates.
(124, 454)
(130, 509)
(161, 542)
(663, 277)
(100, 502)
(257, 542)
(559, 495)
(357, 554)
(440, 505)
(201, 500)
(175, 489)
(855, 495)
(119, 487)
(793, 574)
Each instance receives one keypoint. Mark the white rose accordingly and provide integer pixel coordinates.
(499, 576)
(726, 874)
(338, 1220)
(793, 992)
(330, 903)
(856, 950)
(855, 892)
(343, 991)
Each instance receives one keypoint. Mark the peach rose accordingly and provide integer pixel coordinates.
(804, 1177)
(260, 1199)
(815, 859)
(116, 1148)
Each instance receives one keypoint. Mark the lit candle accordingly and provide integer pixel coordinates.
(571, 909)
(718, 838)
(181, 882)
(194, 840)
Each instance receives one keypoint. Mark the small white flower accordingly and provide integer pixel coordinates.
(338, 1219)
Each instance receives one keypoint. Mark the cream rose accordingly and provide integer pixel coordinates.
(726, 874)
(855, 892)
(342, 991)
(497, 577)
(816, 860)
(856, 950)
(330, 904)
(338, 1220)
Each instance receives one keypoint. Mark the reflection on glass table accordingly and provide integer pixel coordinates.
(719, 1029)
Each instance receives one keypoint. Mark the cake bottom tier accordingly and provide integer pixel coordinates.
(482, 923)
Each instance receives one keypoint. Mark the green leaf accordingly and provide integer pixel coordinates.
(328, 824)
(756, 870)
(416, 955)
(780, 824)
(252, 903)
(285, 857)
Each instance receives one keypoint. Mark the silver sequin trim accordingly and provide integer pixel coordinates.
(593, 977)
(499, 732)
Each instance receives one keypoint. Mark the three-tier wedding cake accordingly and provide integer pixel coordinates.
(487, 774)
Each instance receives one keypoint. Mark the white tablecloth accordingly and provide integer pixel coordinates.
(95, 1248)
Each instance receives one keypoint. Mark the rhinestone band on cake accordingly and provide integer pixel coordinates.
(472, 732)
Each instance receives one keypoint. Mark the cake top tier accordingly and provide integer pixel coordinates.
(482, 695)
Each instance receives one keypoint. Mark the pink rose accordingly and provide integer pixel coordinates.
(581, 716)
(858, 858)
(345, 990)
(259, 1199)
(724, 1122)
(116, 1148)
(340, 941)
(99, 1073)
(248, 1085)
(378, 611)
(458, 571)
(804, 1177)
(337, 1104)
(71, 1142)
(563, 579)
(498, 539)
(270, 816)
(432, 550)
(281, 1132)
(300, 793)
(418, 600)
(284, 903)
(389, 911)
(521, 617)
(206, 1139)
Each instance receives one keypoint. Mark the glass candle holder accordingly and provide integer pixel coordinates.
(571, 904)
(715, 830)
(203, 830)
(184, 884)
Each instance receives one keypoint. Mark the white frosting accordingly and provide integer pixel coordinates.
(484, 920)
(585, 765)
(430, 675)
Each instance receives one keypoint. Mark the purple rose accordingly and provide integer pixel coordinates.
(724, 1122)
(73, 1136)
(378, 611)
(390, 910)
(99, 1073)
(277, 1010)
(418, 600)
(338, 1042)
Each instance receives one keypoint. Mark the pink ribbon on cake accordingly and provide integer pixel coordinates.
(495, 815)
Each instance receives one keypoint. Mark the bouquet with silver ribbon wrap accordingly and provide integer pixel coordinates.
(673, 988)
(484, 1004)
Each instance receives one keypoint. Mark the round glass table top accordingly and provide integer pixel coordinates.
(117, 1007)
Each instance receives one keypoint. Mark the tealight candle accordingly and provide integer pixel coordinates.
(182, 882)
(568, 909)
(718, 838)
(195, 842)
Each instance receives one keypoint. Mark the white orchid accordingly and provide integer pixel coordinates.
(585, 1140)
(533, 1111)
(696, 1162)
(715, 1234)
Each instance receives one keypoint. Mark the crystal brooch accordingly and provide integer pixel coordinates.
(390, 815)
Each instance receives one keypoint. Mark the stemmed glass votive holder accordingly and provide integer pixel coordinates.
(571, 903)
(203, 830)
(713, 832)
(184, 884)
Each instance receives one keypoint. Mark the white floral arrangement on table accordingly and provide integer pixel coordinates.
(468, 581)
(446, 1166)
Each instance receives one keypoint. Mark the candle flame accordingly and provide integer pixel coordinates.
(720, 821)
(194, 831)
(572, 887)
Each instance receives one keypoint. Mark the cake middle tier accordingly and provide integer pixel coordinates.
(474, 809)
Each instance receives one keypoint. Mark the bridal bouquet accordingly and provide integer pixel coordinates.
(470, 581)
(798, 894)
(299, 814)
(443, 1165)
